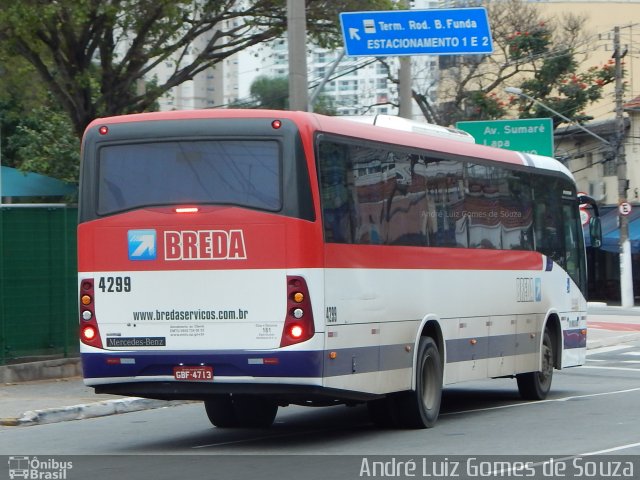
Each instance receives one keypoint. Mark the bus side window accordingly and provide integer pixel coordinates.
(334, 186)
(548, 220)
(574, 244)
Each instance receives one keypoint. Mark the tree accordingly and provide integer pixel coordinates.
(44, 142)
(539, 54)
(94, 54)
(16, 101)
(36, 133)
(270, 92)
(273, 92)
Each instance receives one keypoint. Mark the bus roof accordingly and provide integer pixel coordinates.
(347, 127)
(406, 125)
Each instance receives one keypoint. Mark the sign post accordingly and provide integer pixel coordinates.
(531, 135)
(458, 31)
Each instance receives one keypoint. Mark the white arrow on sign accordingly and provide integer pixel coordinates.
(353, 34)
(146, 245)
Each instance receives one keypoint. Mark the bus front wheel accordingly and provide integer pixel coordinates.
(536, 385)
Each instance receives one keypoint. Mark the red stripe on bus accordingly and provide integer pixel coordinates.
(267, 245)
(435, 258)
(261, 241)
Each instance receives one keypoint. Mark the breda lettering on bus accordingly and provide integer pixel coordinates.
(204, 245)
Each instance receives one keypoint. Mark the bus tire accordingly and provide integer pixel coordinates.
(221, 411)
(382, 412)
(536, 385)
(253, 411)
(420, 408)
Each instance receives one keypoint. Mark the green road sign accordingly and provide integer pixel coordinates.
(531, 135)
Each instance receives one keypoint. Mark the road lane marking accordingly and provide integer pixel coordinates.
(549, 400)
(623, 369)
(613, 348)
(266, 437)
(486, 409)
(613, 449)
(588, 395)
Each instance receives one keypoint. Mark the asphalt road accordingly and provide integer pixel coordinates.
(592, 410)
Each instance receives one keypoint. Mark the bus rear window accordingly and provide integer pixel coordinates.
(230, 172)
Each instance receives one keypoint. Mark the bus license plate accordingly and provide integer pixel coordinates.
(193, 373)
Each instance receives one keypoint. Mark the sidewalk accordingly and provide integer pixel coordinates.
(62, 399)
(612, 325)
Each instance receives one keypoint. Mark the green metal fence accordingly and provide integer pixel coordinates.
(38, 303)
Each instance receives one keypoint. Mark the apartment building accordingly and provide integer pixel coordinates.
(358, 86)
(214, 87)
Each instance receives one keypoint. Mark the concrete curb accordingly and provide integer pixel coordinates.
(88, 410)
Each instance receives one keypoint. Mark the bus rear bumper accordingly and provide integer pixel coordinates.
(115, 366)
(283, 393)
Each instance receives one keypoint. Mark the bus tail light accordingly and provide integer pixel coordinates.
(298, 324)
(89, 332)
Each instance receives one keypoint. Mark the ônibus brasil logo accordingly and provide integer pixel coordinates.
(34, 468)
(188, 245)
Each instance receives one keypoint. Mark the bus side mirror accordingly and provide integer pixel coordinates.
(595, 231)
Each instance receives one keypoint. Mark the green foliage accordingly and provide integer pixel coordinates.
(325, 105)
(93, 54)
(37, 135)
(484, 106)
(44, 142)
(564, 89)
(273, 93)
(537, 54)
(529, 43)
(92, 57)
(557, 80)
(270, 92)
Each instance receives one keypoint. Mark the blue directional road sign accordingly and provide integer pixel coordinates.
(454, 31)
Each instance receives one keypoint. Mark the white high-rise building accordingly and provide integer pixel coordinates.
(358, 85)
(214, 87)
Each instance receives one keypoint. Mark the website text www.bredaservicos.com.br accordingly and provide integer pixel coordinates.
(198, 314)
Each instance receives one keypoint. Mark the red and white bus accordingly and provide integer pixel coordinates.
(254, 259)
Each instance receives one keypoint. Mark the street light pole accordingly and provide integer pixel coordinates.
(626, 268)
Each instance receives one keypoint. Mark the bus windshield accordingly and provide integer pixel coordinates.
(237, 172)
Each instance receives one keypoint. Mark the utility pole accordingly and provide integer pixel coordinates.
(404, 80)
(626, 272)
(404, 87)
(297, 39)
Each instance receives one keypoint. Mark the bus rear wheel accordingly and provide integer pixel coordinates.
(221, 412)
(420, 408)
(244, 411)
(536, 385)
(383, 412)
